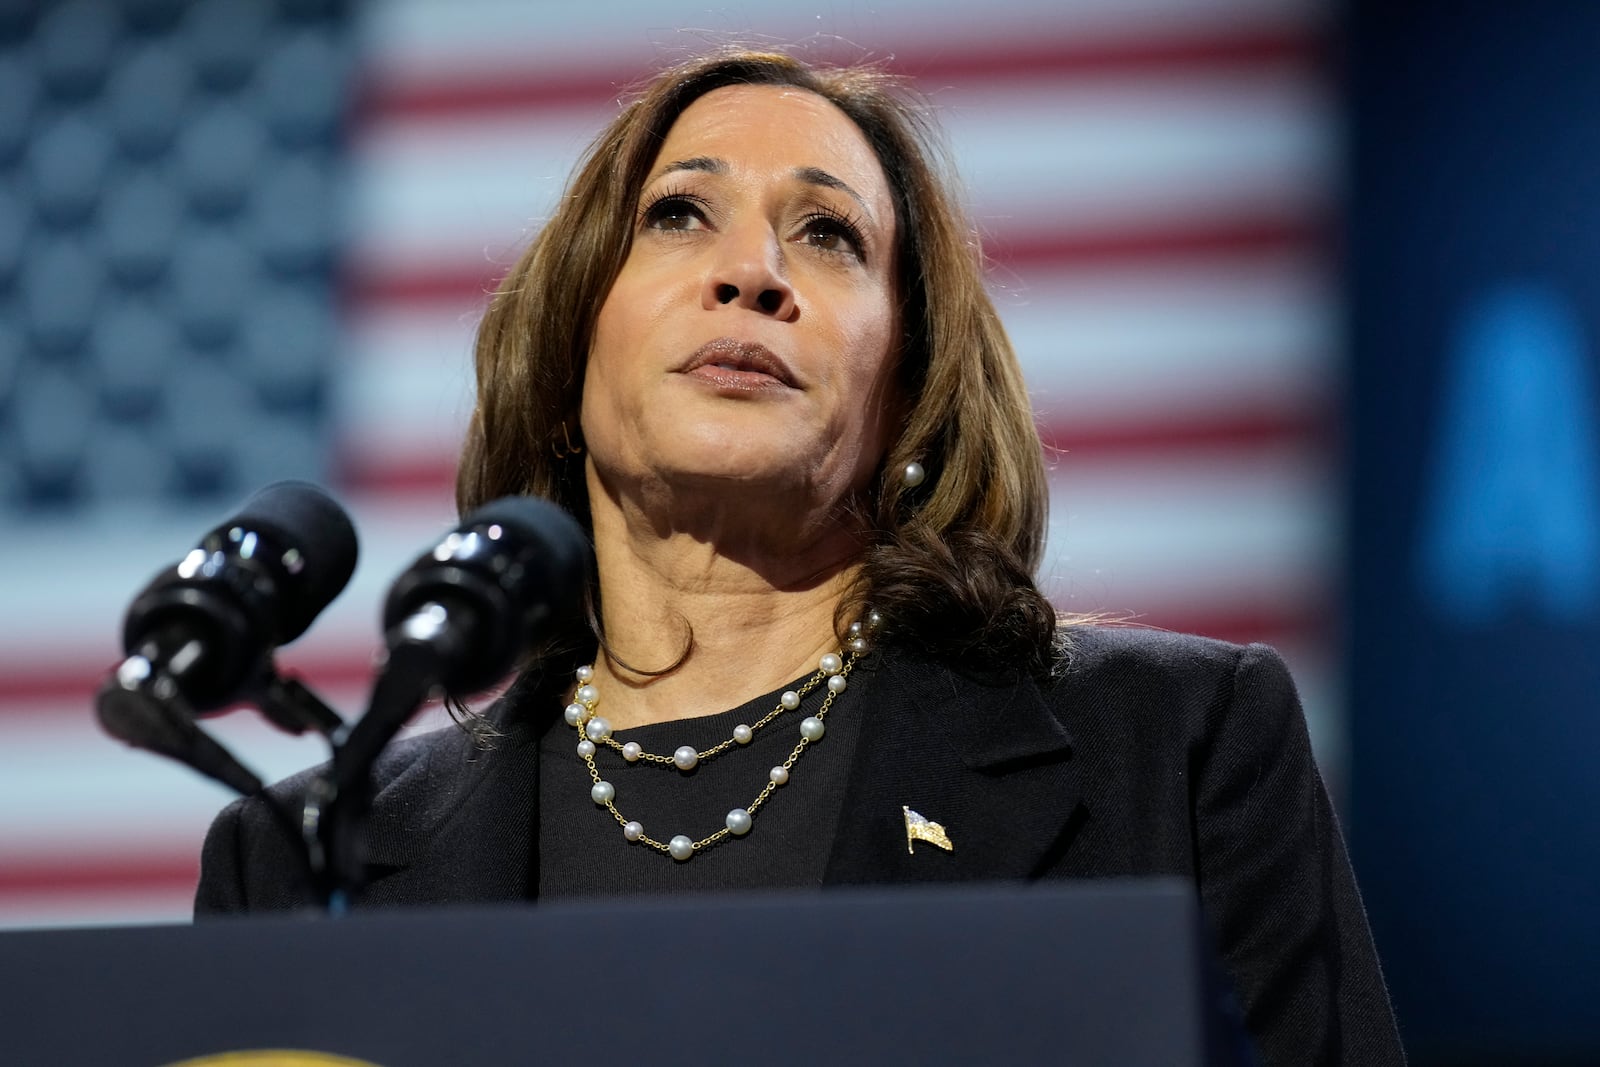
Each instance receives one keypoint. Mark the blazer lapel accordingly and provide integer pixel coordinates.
(986, 759)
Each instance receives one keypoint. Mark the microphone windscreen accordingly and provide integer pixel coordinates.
(509, 573)
(561, 549)
(299, 517)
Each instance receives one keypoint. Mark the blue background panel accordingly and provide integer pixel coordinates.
(1474, 301)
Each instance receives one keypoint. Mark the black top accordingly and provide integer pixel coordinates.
(581, 850)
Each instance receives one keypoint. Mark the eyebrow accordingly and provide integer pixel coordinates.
(705, 163)
(809, 175)
(818, 176)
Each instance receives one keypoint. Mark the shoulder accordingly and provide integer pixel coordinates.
(1112, 683)
(1162, 723)
(1136, 652)
(1168, 676)
(252, 859)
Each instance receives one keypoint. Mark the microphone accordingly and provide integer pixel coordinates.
(489, 589)
(201, 635)
(253, 583)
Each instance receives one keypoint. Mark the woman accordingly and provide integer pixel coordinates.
(752, 352)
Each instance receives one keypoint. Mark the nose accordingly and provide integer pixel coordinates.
(747, 271)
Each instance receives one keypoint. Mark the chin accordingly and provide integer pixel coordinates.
(742, 472)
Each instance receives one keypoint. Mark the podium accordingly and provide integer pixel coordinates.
(1113, 973)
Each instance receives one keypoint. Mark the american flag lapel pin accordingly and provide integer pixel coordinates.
(921, 829)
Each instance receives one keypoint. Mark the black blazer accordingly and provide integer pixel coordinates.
(1150, 754)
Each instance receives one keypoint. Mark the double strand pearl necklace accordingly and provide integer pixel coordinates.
(832, 672)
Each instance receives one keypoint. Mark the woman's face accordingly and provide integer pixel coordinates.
(748, 342)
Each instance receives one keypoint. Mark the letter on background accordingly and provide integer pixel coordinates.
(1512, 519)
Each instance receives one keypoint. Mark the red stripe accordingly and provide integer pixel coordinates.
(1254, 430)
(22, 686)
(1240, 237)
(1272, 624)
(168, 874)
(63, 683)
(400, 94)
(369, 474)
(467, 288)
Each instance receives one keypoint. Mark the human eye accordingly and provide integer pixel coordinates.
(833, 231)
(673, 211)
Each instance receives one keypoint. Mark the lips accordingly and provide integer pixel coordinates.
(732, 357)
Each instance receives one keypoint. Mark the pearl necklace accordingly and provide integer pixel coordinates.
(832, 671)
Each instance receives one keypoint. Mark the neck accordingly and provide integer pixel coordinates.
(697, 624)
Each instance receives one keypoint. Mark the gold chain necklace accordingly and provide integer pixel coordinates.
(832, 672)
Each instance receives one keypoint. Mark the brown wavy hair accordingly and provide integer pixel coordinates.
(949, 564)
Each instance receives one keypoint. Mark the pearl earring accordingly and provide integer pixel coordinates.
(913, 475)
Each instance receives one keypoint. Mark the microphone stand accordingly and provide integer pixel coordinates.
(421, 648)
(144, 706)
(292, 706)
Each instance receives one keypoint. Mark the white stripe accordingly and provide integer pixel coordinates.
(86, 793)
(405, 388)
(107, 907)
(1192, 534)
(1108, 346)
(1141, 153)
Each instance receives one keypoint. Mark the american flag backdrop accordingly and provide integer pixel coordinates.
(1153, 180)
